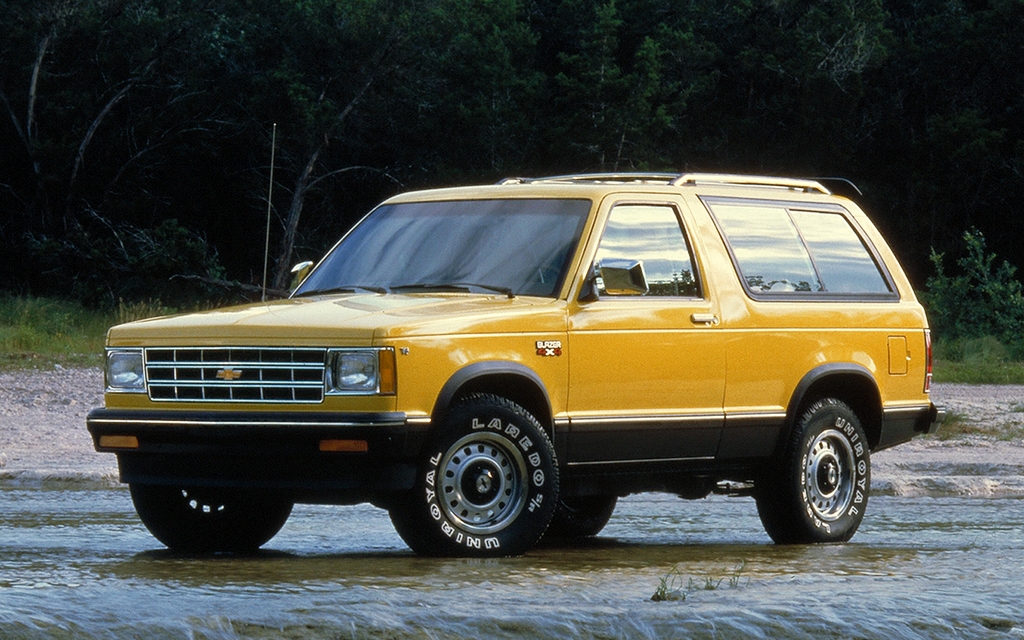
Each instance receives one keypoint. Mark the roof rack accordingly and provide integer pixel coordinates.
(841, 187)
(686, 179)
(662, 178)
(759, 181)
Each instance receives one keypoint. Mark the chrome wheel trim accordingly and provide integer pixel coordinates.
(829, 475)
(196, 502)
(482, 484)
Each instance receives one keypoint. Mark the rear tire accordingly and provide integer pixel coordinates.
(580, 517)
(208, 520)
(487, 484)
(818, 488)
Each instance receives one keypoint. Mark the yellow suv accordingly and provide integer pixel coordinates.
(494, 364)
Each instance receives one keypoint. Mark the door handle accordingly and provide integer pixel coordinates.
(704, 318)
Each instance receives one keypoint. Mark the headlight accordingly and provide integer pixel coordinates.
(125, 370)
(361, 371)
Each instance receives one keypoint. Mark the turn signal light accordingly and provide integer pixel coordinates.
(344, 446)
(119, 442)
(388, 376)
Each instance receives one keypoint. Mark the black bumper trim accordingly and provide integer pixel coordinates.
(901, 424)
(247, 419)
(264, 450)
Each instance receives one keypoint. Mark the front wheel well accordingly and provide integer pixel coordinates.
(856, 390)
(517, 388)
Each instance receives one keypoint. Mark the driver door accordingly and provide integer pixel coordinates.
(647, 368)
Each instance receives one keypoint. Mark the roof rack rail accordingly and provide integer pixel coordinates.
(840, 187)
(759, 181)
(807, 185)
(664, 178)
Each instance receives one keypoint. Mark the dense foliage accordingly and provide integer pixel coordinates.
(980, 309)
(135, 135)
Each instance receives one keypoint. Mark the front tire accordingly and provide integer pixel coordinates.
(208, 520)
(818, 490)
(487, 486)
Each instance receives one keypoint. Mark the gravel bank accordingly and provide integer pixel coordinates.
(968, 466)
(43, 440)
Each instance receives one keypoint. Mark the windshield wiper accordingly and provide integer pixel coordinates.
(456, 286)
(355, 288)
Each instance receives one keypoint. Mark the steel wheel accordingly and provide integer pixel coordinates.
(829, 475)
(482, 482)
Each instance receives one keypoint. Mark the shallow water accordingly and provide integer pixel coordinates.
(77, 563)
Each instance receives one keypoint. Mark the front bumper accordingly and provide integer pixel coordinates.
(282, 452)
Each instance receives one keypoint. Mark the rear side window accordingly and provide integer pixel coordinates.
(784, 251)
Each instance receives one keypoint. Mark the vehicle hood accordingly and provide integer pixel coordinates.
(356, 320)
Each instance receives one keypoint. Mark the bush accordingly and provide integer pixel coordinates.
(973, 351)
(100, 264)
(981, 301)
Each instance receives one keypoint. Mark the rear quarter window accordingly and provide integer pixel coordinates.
(787, 250)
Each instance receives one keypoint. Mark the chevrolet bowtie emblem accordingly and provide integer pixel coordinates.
(228, 374)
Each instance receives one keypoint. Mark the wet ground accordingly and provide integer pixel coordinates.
(940, 554)
(77, 563)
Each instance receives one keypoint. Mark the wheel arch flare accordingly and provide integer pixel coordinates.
(850, 382)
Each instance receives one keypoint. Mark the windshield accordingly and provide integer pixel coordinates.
(518, 246)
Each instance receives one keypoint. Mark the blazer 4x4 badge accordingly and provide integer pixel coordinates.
(549, 348)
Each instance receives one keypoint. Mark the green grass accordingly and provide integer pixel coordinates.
(979, 372)
(957, 425)
(39, 333)
(671, 588)
(982, 360)
(671, 584)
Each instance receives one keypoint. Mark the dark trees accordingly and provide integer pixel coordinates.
(135, 134)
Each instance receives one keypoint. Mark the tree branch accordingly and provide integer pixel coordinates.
(331, 174)
(97, 121)
(30, 118)
(303, 183)
(88, 138)
(14, 119)
(234, 285)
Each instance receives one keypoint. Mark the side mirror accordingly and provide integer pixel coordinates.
(299, 273)
(623, 277)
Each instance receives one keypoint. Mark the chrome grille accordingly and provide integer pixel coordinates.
(236, 374)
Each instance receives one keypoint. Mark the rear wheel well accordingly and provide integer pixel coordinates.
(856, 391)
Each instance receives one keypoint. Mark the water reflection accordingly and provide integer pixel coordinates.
(919, 568)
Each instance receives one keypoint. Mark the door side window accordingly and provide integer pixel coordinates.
(649, 237)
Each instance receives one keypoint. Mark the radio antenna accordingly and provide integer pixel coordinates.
(270, 193)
